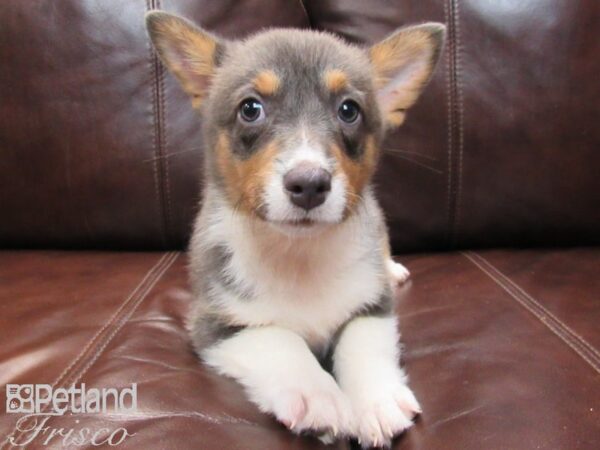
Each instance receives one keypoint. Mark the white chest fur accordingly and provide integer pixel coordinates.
(310, 284)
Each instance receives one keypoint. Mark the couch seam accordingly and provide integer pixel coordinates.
(460, 112)
(164, 146)
(577, 343)
(455, 122)
(161, 191)
(537, 304)
(223, 419)
(450, 120)
(125, 318)
(150, 278)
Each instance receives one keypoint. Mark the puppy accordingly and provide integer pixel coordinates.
(290, 264)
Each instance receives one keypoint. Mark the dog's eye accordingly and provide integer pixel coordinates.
(349, 111)
(251, 110)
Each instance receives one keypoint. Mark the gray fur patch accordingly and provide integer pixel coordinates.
(220, 257)
(209, 329)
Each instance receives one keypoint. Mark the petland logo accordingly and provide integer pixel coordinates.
(40, 402)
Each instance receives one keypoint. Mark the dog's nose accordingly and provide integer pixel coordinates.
(307, 185)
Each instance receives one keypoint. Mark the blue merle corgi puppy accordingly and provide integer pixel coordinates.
(290, 263)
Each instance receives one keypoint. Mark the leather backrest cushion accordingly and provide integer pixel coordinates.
(100, 148)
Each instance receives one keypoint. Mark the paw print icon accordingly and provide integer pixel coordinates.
(19, 398)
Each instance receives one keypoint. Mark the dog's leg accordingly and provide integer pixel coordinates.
(397, 273)
(366, 365)
(283, 377)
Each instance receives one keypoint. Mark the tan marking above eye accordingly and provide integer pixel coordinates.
(245, 179)
(335, 80)
(266, 82)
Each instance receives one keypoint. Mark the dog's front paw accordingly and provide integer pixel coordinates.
(398, 273)
(310, 404)
(383, 411)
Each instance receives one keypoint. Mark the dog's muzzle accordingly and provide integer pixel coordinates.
(307, 185)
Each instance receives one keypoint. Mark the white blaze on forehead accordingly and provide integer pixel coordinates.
(308, 151)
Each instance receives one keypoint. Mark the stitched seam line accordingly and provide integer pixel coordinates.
(223, 419)
(113, 319)
(460, 116)
(162, 140)
(164, 161)
(560, 329)
(542, 308)
(150, 278)
(125, 317)
(454, 120)
(123, 320)
(158, 166)
(158, 270)
(450, 125)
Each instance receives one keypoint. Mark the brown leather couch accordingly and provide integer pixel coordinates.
(100, 157)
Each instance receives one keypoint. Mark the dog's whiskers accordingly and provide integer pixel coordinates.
(169, 155)
(418, 163)
(407, 152)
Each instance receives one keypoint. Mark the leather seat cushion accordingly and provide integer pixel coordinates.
(501, 348)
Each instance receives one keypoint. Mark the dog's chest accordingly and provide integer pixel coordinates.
(311, 293)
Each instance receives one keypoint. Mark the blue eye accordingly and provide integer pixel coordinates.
(349, 111)
(251, 110)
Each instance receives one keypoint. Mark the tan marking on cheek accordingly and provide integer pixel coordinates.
(335, 80)
(245, 180)
(266, 82)
(357, 172)
(196, 101)
(226, 165)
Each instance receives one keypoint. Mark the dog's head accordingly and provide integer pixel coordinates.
(294, 119)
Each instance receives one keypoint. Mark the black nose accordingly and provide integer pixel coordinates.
(307, 185)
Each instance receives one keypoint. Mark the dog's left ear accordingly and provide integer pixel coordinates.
(403, 64)
(188, 51)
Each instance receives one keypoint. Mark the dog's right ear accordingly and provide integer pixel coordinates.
(189, 52)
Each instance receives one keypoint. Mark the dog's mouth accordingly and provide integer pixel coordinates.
(300, 223)
(299, 227)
